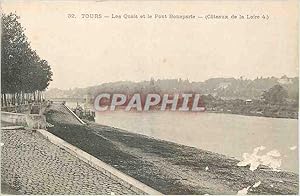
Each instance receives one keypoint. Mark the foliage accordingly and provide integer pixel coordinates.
(224, 88)
(22, 70)
(276, 94)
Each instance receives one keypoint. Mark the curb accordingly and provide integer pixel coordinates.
(13, 128)
(108, 170)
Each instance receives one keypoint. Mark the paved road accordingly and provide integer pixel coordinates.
(33, 165)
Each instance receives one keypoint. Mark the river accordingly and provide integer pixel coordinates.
(227, 134)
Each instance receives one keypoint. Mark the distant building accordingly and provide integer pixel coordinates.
(285, 80)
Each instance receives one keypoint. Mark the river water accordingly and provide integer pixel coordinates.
(227, 134)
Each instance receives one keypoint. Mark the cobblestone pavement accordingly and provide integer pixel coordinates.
(64, 114)
(33, 165)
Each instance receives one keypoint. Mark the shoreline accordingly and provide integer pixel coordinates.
(251, 115)
(166, 166)
(156, 109)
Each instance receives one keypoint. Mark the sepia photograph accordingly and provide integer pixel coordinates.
(149, 97)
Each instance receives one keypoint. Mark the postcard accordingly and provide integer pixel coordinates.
(149, 97)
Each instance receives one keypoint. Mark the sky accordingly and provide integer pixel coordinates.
(87, 52)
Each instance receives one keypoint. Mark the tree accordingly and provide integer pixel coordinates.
(23, 72)
(276, 94)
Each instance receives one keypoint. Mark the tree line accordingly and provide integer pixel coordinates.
(24, 75)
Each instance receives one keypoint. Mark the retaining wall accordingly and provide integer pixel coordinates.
(34, 121)
(14, 118)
